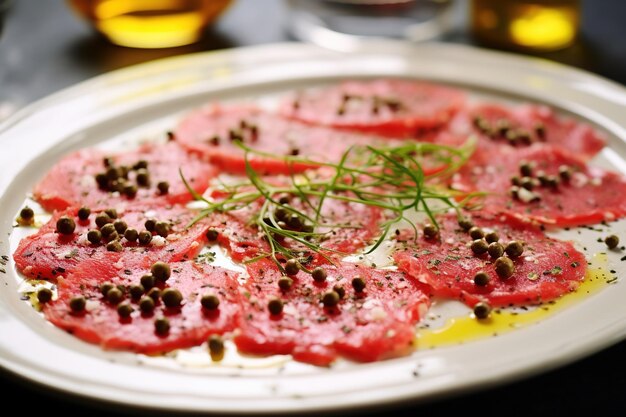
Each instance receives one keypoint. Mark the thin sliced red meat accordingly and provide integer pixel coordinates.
(591, 196)
(190, 324)
(209, 132)
(71, 182)
(547, 269)
(387, 107)
(48, 254)
(519, 127)
(375, 324)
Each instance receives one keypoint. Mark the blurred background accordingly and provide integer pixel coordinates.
(48, 45)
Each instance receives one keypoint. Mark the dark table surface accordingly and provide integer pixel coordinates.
(45, 48)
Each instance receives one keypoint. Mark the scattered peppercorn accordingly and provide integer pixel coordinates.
(147, 281)
(150, 224)
(212, 235)
(130, 190)
(124, 310)
(481, 279)
(482, 310)
(111, 212)
(106, 287)
(161, 271)
(340, 291)
(44, 295)
(142, 178)
(131, 234)
(163, 187)
(476, 233)
(162, 326)
(495, 250)
(492, 237)
(114, 296)
(144, 237)
(94, 236)
(84, 213)
(479, 246)
(611, 241)
(291, 267)
(102, 219)
(120, 226)
(107, 230)
(504, 267)
(565, 173)
(27, 215)
(210, 301)
(465, 223)
(66, 225)
(216, 348)
(171, 297)
(162, 229)
(330, 299)
(141, 164)
(514, 249)
(275, 306)
(146, 305)
(136, 291)
(78, 304)
(155, 294)
(115, 246)
(430, 231)
(358, 284)
(319, 274)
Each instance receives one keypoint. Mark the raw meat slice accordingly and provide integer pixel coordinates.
(370, 325)
(546, 270)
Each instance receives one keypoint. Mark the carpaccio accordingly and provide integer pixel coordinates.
(122, 244)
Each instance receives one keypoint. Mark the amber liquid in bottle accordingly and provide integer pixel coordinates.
(539, 25)
(150, 23)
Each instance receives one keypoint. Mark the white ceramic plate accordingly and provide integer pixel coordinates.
(146, 100)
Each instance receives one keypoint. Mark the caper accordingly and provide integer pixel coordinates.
(162, 326)
(504, 267)
(275, 306)
(147, 281)
(465, 223)
(114, 295)
(154, 293)
(161, 271)
(78, 304)
(143, 178)
(340, 291)
(284, 283)
(430, 231)
(212, 235)
(216, 348)
(66, 225)
(131, 234)
(330, 299)
(210, 301)
(319, 274)
(171, 297)
(150, 224)
(130, 190)
(107, 230)
(495, 250)
(44, 295)
(162, 229)
(136, 291)
(146, 305)
(84, 213)
(291, 267)
(482, 310)
(492, 237)
(481, 279)
(115, 246)
(144, 237)
(124, 310)
(102, 219)
(163, 187)
(526, 169)
(358, 283)
(514, 249)
(476, 233)
(479, 246)
(611, 241)
(94, 236)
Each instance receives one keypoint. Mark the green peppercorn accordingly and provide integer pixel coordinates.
(124, 310)
(275, 306)
(144, 237)
(136, 291)
(131, 234)
(162, 229)
(150, 224)
(526, 169)
(611, 241)
(155, 294)
(210, 301)
(340, 291)
(358, 283)
(504, 267)
(482, 310)
(161, 271)
(147, 281)
(291, 267)
(94, 236)
(495, 250)
(430, 231)
(142, 178)
(146, 305)
(106, 287)
(476, 233)
(479, 246)
(171, 297)
(102, 219)
(78, 304)
(44, 295)
(107, 230)
(115, 246)
(319, 274)
(216, 348)
(481, 279)
(465, 223)
(162, 326)
(492, 237)
(84, 213)
(330, 299)
(120, 226)
(163, 187)
(212, 235)
(130, 190)
(114, 296)
(66, 225)
(284, 283)
(514, 249)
